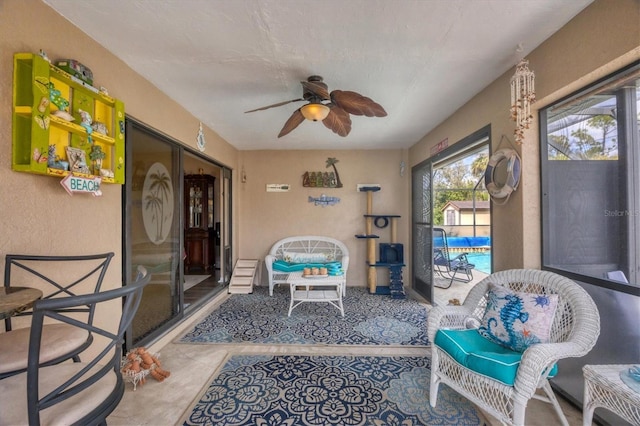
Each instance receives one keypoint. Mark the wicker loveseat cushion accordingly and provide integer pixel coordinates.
(479, 354)
(334, 268)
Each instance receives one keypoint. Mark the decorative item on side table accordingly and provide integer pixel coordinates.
(315, 272)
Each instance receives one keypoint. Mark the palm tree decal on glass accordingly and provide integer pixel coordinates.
(331, 162)
(158, 203)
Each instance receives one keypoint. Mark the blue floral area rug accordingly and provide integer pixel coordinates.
(258, 318)
(328, 390)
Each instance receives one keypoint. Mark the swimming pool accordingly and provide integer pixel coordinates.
(469, 242)
(482, 260)
(477, 249)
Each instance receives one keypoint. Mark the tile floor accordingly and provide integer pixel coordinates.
(457, 290)
(192, 365)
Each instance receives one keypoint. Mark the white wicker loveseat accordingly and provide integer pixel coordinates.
(311, 249)
(574, 329)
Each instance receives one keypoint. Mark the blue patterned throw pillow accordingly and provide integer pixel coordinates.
(517, 320)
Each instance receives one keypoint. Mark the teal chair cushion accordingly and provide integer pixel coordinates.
(281, 265)
(479, 354)
(333, 268)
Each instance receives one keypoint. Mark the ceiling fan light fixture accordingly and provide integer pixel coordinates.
(315, 111)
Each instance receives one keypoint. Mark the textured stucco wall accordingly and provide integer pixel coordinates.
(266, 217)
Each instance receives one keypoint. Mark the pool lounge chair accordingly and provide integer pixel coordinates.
(454, 269)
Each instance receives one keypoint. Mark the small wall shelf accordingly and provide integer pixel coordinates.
(41, 138)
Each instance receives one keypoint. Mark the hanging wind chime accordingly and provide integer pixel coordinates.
(522, 96)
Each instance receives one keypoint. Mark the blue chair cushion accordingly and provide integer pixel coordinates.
(470, 349)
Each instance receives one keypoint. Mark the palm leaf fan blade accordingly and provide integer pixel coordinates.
(356, 104)
(317, 88)
(338, 120)
(275, 105)
(293, 122)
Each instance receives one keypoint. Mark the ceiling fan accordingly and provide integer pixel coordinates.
(333, 114)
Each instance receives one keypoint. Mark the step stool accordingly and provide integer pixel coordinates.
(245, 273)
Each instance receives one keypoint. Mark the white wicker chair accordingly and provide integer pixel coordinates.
(574, 332)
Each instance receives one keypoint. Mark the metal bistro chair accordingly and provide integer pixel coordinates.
(58, 277)
(82, 393)
(448, 267)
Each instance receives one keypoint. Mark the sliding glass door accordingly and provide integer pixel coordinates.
(450, 180)
(152, 228)
(421, 230)
(225, 237)
(186, 270)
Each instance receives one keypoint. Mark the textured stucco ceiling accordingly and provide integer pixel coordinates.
(420, 59)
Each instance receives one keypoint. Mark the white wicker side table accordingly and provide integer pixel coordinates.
(317, 288)
(604, 388)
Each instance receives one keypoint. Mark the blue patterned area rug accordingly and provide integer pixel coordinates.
(369, 319)
(328, 390)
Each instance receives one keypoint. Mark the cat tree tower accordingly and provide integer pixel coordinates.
(391, 254)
